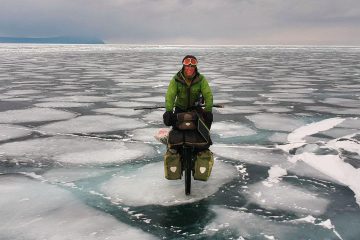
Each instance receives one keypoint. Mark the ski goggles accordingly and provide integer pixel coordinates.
(190, 61)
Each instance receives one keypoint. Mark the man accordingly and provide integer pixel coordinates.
(186, 92)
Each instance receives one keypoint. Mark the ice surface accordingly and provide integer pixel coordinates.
(226, 129)
(34, 115)
(90, 99)
(72, 174)
(75, 150)
(145, 135)
(119, 111)
(92, 124)
(252, 226)
(127, 104)
(333, 110)
(158, 99)
(36, 210)
(343, 102)
(238, 109)
(335, 167)
(22, 92)
(62, 104)
(299, 134)
(287, 197)
(154, 117)
(12, 131)
(275, 122)
(253, 155)
(147, 186)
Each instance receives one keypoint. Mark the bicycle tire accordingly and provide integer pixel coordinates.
(187, 158)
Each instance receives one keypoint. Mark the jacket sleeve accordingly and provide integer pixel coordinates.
(170, 95)
(207, 94)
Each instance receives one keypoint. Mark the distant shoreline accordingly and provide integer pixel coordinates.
(52, 40)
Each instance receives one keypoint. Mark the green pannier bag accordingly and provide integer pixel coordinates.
(172, 165)
(203, 165)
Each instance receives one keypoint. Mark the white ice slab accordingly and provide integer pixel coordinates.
(8, 131)
(335, 167)
(34, 115)
(119, 111)
(75, 150)
(286, 197)
(249, 154)
(226, 129)
(68, 175)
(275, 122)
(36, 210)
(157, 99)
(238, 109)
(247, 225)
(127, 104)
(92, 124)
(145, 135)
(22, 92)
(147, 186)
(155, 117)
(62, 104)
(299, 134)
(90, 99)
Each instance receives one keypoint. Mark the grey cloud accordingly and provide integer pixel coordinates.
(189, 21)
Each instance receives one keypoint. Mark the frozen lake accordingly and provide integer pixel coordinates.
(78, 162)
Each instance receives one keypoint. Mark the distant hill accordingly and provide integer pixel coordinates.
(54, 40)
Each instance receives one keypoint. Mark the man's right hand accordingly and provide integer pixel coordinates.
(168, 118)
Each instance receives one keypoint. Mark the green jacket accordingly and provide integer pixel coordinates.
(177, 93)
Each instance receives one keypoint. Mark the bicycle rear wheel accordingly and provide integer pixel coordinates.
(187, 162)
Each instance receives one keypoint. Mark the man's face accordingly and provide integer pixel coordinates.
(189, 71)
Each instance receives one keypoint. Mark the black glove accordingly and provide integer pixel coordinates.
(208, 118)
(168, 118)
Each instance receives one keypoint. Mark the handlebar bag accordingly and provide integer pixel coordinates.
(186, 121)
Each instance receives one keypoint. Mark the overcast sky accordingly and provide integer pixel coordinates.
(333, 22)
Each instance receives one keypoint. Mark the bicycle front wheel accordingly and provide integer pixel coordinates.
(187, 161)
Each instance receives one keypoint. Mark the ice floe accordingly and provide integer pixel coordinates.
(157, 99)
(36, 210)
(252, 226)
(148, 186)
(34, 115)
(62, 104)
(286, 197)
(145, 135)
(154, 117)
(92, 124)
(297, 137)
(78, 98)
(127, 104)
(278, 122)
(238, 109)
(254, 155)
(119, 111)
(13, 131)
(22, 92)
(75, 150)
(335, 167)
(226, 129)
